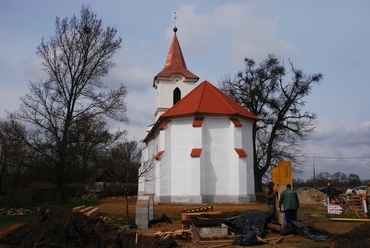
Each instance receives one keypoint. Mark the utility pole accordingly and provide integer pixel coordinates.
(314, 173)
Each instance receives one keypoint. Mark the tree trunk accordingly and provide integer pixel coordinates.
(258, 179)
(1, 184)
(60, 183)
(125, 197)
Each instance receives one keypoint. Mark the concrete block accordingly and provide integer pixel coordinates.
(144, 211)
(212, 231)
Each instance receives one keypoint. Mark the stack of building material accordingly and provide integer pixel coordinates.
(203, 219)
(183, 234)
(353, 204)
(88, 211)
(206, 208)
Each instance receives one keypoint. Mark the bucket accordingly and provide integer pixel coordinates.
(282, 216)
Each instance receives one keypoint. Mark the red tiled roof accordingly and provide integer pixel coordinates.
(207, 99)
(175, 62)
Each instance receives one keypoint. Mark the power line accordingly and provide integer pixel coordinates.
(336, 157)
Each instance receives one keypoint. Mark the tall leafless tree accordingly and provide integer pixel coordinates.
(283, 126)
(75, 59)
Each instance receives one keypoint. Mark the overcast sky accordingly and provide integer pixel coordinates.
(331, 37)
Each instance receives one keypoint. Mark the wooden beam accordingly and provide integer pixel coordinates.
(85, 210)
(93, 212)
(75, 209)
(349, 219)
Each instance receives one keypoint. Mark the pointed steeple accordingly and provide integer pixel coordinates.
(175, 62)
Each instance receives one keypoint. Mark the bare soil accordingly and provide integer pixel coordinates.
(68, 229)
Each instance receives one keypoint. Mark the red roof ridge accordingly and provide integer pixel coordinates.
(208, 99)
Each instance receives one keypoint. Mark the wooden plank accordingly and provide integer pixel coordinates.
(279, 240)
(203, 213)
(196, 237)
(93, 212)
(214, 242)
(75, 209)
(262, 240)
(188, 216)
(159, 233)
(349, 219)
(85, 210)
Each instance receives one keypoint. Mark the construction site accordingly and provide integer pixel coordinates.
(181, 225)
(341, 223)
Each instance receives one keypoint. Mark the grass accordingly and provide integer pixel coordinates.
(314, 215)
(7, 220)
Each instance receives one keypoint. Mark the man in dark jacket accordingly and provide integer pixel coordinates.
(271, 198)
(290, 201)
(330, 191)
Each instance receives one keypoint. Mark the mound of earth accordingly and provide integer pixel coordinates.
(73, 229)
(359, 237)
(311, 197)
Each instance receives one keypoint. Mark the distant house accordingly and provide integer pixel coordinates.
(201, 145)
(102, 182)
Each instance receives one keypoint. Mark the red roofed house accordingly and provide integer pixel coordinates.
(200, 146)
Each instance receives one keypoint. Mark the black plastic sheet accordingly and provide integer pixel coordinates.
(249, 225)
(308, 231)
(252, 224)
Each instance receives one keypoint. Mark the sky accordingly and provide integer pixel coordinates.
(331, 37)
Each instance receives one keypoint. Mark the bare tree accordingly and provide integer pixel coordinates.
(354, 180)
(283, 126)
(14, 153)
(340, 178)
(75, 60)
(323, 177)
(124, 167)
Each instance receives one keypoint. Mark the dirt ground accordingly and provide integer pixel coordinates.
(312, 212)
(68, 229)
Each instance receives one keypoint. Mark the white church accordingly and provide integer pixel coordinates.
(200, 149)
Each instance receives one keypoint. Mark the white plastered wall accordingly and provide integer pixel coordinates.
(218, 175)
(165, 88)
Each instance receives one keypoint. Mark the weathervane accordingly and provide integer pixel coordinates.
(175, 17)
(175, 28)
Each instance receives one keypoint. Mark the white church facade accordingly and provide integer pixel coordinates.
(200, 148)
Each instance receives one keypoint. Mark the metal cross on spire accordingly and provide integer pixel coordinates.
(175, 17)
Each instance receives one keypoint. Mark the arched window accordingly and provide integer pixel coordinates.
(176, 95)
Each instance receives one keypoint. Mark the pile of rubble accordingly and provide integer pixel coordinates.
(74, 229)
(14, 211)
